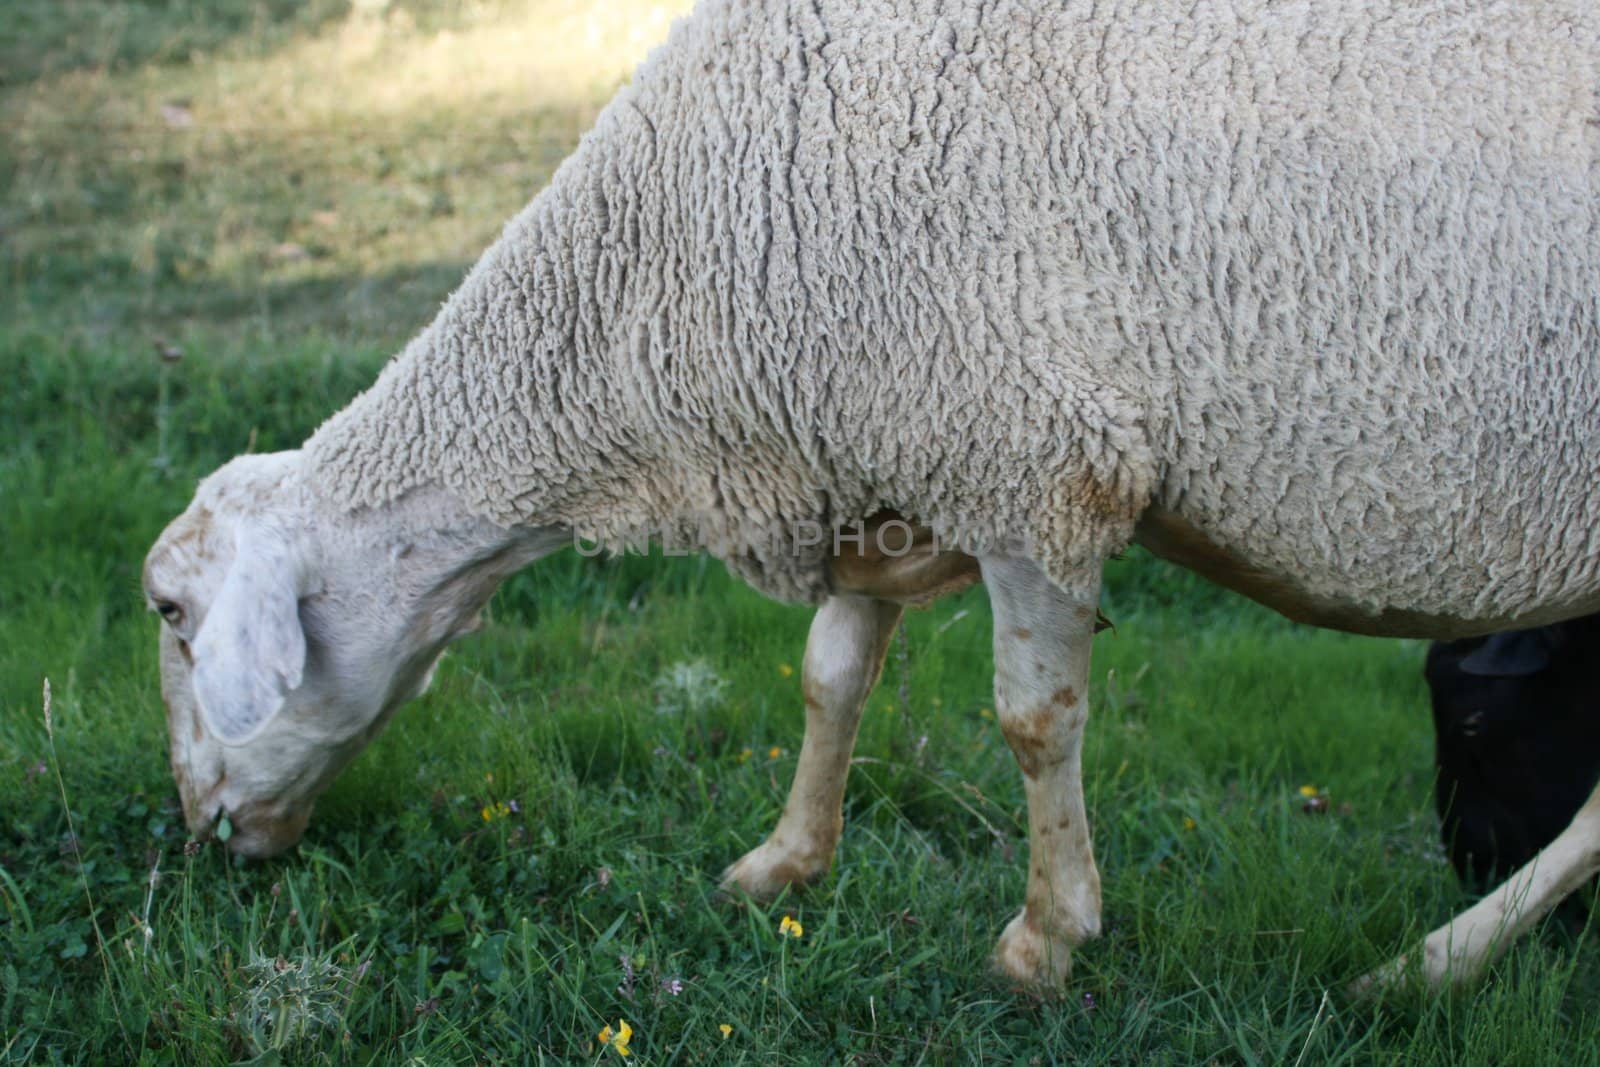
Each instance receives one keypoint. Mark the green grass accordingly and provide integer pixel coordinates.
(409, 926)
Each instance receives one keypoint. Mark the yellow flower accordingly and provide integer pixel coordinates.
(499, 810)
(785, 670)
(726, 1030)
(618, 1040)
(774, 752)
(1188, 823)
(790, 928)
(1308, 790)
(985, 713)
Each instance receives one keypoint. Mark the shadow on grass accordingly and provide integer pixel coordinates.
(47, 38)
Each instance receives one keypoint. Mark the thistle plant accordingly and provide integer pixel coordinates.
(690, 687)
(285, 1004)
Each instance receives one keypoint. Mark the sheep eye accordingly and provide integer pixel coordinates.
(169, 611)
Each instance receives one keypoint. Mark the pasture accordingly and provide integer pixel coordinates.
(216, 222)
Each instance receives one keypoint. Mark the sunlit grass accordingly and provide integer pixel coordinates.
(325, 182)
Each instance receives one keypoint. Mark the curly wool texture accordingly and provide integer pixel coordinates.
(1322, 279)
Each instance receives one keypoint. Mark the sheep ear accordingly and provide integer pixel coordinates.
(1515, 654)
(251, 650)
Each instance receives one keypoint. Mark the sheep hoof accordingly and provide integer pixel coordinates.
(1398, 975)
(1434, 973)
(770, 868)
(1033, 958)
(1382, 980)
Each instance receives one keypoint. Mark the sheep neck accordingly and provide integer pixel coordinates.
(502, 400)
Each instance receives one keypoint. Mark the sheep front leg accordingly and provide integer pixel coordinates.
(1041, 656)
(1459, 950)
(844, 655)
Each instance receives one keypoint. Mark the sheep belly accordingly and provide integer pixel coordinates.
(1176, 540)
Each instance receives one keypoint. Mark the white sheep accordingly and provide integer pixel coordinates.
(1303, 296)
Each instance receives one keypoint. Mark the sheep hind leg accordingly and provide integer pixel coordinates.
(1458, 951)
(844, 656)
(1042, 637)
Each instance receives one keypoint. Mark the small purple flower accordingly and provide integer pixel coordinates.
(672, 985)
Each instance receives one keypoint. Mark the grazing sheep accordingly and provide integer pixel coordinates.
(1303, 296)
(1517, 720)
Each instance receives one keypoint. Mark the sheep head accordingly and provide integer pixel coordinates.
(291, 631)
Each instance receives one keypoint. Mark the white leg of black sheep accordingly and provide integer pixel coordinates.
(1458, 951)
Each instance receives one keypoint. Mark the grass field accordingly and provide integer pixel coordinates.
(253, 184)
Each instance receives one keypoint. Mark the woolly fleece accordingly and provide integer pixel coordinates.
(1321, 279)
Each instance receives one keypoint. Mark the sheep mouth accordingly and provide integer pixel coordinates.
(258, 838)
(204, 828)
